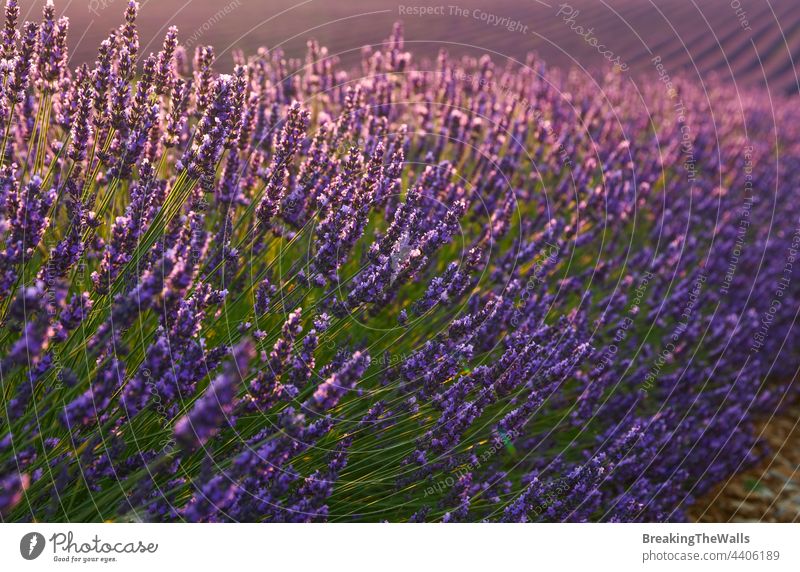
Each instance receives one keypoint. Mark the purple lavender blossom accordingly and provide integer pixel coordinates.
(215, 406)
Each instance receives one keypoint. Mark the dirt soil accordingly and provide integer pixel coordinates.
(768, 492)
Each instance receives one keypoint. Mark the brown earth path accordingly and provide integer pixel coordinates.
(768, 492)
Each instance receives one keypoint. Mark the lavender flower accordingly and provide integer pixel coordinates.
(329, 392)
(293, 131)
(216, 405)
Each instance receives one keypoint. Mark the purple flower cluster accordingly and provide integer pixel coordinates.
(419, 291)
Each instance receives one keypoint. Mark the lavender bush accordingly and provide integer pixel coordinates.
(415, 291)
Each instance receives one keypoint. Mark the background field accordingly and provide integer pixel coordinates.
(752, 42)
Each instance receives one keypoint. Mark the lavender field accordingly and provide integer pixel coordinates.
(753, 43)
(482, 264)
